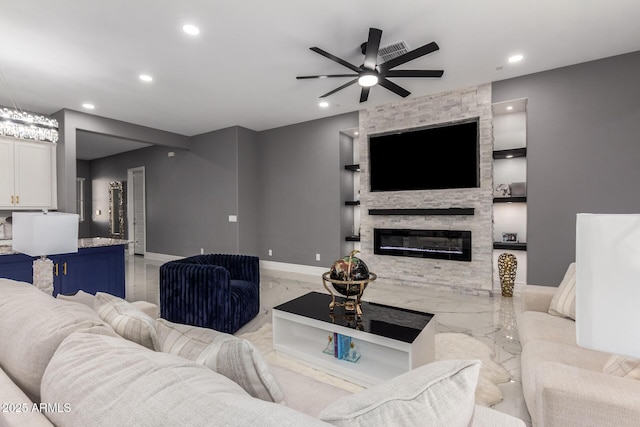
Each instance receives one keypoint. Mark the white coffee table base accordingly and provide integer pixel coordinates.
(382, 358)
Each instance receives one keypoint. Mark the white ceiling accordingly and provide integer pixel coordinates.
(241, 69)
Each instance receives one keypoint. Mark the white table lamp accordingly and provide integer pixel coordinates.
(608, 283)
(41, 234)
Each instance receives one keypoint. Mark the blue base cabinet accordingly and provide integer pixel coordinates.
(16, 267)
(98, 269)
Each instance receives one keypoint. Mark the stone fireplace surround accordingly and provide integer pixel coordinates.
(415, 113)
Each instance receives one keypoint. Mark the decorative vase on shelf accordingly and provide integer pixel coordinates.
(507, 266)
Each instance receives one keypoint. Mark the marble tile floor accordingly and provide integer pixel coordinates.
(491, 320)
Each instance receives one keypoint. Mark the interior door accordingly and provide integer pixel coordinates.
(137, 210)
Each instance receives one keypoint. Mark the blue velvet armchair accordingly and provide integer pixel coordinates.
(217, 291)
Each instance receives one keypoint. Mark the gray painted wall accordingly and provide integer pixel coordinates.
(300, 201)
(583, 153)
(189, 196)
(83, 170)
(248, 192)
(70, 121)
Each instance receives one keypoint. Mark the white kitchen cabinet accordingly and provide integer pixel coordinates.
(27, 175)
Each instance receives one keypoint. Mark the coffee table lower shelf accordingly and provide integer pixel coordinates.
(381, 359)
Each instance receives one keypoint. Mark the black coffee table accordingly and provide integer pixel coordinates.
(390, 340)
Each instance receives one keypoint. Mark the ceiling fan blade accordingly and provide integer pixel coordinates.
(340, 88)
(409, 56)
(335, 59)
(373, 45)
(394, 88)
(364, 95)
(326, 76)
(414, 73)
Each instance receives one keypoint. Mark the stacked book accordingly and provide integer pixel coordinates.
(342, 347)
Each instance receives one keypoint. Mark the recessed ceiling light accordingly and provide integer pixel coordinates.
(88, 106)
(323, 104)
(509, 107)
(356, 133)
(190, 29)
(515, 58)
(146, 78)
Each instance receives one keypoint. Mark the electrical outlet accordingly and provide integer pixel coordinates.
(317, 257)
(270, 252)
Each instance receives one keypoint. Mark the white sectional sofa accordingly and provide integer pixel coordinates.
(63, 364)
(566, 385)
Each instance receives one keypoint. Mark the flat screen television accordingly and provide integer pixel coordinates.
(434, 158)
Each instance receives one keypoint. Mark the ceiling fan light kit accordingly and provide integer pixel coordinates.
(370, 73)
(368, 80)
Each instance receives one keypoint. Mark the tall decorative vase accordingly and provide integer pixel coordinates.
(507, 266)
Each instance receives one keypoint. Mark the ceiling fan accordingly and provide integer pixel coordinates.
(371, 73)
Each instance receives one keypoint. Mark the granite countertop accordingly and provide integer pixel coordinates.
(92, 242)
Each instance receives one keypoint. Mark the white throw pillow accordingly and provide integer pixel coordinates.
(438, 394)
(128, 321)
(235, 358)
(622, 366)
(101, 381)
(564, 300)
(33, 326)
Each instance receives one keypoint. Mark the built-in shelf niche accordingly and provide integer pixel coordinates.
(510, 166)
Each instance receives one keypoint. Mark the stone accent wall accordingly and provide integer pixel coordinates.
(416, 113)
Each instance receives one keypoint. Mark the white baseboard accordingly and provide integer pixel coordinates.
(161, 257)
(293, 268)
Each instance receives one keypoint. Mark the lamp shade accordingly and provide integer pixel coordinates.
(41, 234)
(608, 283)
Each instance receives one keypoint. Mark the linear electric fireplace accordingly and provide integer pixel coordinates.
(438, 244)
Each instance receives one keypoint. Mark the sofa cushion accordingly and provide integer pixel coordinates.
(126, 319)
(33, 324)
(80, 297)
(440, 393)
(538, 352)
(17, 408)
(230, 356)
(535, 325)
(563, 302)
(623, 366)
(113, 382)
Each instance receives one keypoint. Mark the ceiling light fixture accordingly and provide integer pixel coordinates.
(356, 133)
(509, 107)
(146, 78)
(516, 58)
(368, 80)
(25, 125)
(323, 104)
(510, 156)
(190, 29)
(88, 106)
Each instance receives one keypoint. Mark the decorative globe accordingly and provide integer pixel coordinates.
(349, 269)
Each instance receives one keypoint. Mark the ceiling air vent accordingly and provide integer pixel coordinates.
(393, 50)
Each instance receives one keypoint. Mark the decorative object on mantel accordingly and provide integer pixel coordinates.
(350, 277)
(502, 190)
(25, 125)
(518, 189)
(507, 266)
(509, 237)
(41, 234)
